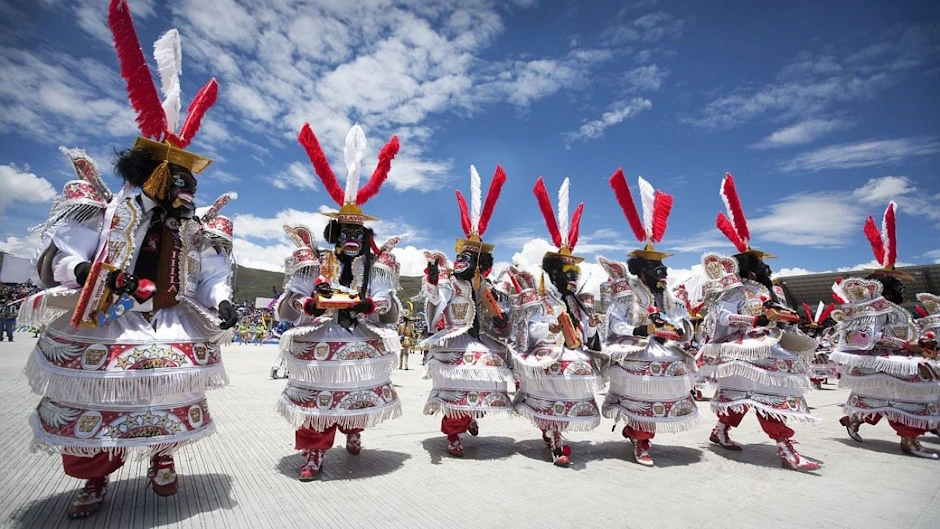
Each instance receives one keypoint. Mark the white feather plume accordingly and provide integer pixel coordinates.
(885, 233)
(647, 197)
(475, 197)
(354, 152)
(168, 53)
(819, 310)
(563, 211)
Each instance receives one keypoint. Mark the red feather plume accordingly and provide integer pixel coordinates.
(320, 165)
(575, 227)
(545, 204)
(874, 237)
(697, 309)
(730, 193)
(618, 182)
(725, 226)
(141, 90)
(809, 313)
(197, 109)
(662, 207)
(464, 215)
(921, 310)
(380, 174)
(890, 236)
(826, 312)
(496, 187)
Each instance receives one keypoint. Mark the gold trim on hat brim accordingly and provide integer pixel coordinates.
(478, 246)
(166, 152)
(566, 258)
(899, 274)
(649, 255)
(349, 214)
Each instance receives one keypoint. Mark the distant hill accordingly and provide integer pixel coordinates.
(252, 283)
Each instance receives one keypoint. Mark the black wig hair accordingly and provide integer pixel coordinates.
(134, 165)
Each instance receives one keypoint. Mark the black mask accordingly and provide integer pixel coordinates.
(565, 281)
(753, 268)
(182, 191)
(350, 242)
(893, 288)
(653, 274)
(465, 265)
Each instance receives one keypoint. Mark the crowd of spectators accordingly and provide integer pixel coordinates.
(11, 295)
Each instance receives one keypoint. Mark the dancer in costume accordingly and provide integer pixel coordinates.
(651, 375)
(556, 336)
(468, 359)
(756, 364)
(139, 295)
(408, 337)
(821, 368)
(876, 347)
(342, 349)
(694, 345)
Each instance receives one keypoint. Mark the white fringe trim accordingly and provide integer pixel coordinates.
(742, 406)
(649, 424)
(338, 372)
(893, 414)
(438, 371)
(435, 405)
(895, 365)
(315, 419)
(139, 385)
(565, 385)
(758, 375)
(737, 351)
(547, 422)
(630, 384)
(887, 382)
(129, 449)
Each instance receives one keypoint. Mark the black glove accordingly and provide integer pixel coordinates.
(501, 321)
(310, 306)
(324, 289)
(680, 332)
(761, 321)
(81, 272)
(122, 283)
(228, 314)
(366, 306)
(433, 271)
(641, 331)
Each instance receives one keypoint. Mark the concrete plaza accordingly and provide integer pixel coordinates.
(245, 474)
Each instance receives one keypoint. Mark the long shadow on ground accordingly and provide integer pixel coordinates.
(481, 448)
(339, 464)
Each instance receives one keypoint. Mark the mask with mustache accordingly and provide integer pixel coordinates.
(349, 240)
(653, 274)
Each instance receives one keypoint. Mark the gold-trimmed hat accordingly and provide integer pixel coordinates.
(158, 121)
(884, 243)
(735, 228)
(349, 201)
(564, 235)
(475, 220)
(656, 209)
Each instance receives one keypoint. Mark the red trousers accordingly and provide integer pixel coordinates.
(94, 467)
(310, 439)
(902, 430)
(639, 435)
(775, 429)
(452, 426)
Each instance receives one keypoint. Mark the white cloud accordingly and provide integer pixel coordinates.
(411, 260)
(808, 219)
(619, 111)
(645, 78)
(933, 255)
(23, 186)
(866, 153)
(800, 133)
(795, 271)
(297, 175)
(710, 239)
(870, 265)
(648, 28)
(21, 246)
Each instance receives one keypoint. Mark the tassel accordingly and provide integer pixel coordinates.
(542, 285)
(157, 183)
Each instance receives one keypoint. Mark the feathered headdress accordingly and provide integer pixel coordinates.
(735, 228)
(656, 209)
(822, 312)
(158, 121)
(349, 201)
(474, 221)
(884, 243)
(564, 235)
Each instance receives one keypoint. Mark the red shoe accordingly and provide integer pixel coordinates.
(561, 454)
(354, 443)
(454, 447)
(89, 499)
(473, 428)
(790, 458)
(721, 438)
(313, 464)
(162, 476)
(641, 453)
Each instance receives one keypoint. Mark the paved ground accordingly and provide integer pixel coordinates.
(244, 475)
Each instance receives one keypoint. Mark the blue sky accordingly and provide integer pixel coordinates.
(823, 113)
